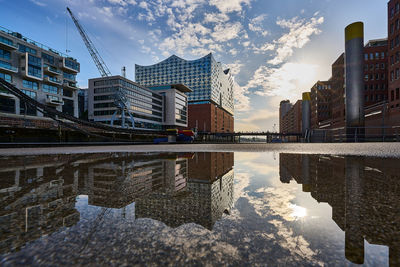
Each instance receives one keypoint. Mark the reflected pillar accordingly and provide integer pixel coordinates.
(305, 173)
(354, 240)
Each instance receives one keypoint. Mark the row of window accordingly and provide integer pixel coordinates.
(374, 66)
(381, 86)
(375, 76)
(375, 97)
(71, 64)
(135, 115)
(372, 56)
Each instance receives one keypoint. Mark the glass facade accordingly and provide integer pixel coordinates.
(34, 66)
(204, 76)
(144, 105)
(71, 64)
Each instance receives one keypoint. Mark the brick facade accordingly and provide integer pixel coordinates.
(210, 118)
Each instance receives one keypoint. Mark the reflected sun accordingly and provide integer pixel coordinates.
(297, 211)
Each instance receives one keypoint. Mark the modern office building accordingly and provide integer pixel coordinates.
(284, 107)
(165, 106)
(211, 104)
(40, 72)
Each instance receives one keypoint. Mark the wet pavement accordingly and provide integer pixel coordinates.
(199, 208)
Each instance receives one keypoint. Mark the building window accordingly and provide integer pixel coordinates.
(391, 76)
(391, 60)
(366, 77)
(47, 58)
(383, 66)
(392, 28)
(397, 93)
(382, 55)
(365, 56)
(6, 77)
(392, 95)
(5, 54)
(371, 56)
(30, 85)
(50, 89)
(22, 48)
(397, 74)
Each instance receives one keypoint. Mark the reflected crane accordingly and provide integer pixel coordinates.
(121, 101)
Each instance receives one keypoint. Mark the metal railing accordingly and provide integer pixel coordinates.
(356, 134)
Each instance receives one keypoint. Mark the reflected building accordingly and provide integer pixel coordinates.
(363, 193)
(38, 193)
(208, 194)
(37, 197)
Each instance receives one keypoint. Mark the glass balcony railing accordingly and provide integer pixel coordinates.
(51, 69)
(52, 79)
(7, 66)
(7, 42)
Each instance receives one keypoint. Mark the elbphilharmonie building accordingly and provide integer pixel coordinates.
(211, 105)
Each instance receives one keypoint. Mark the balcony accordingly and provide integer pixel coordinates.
(7, 44)
(54, 102)
(70, 85)
(7, 67)
(52, 70)
(52, 80)
(70, 65)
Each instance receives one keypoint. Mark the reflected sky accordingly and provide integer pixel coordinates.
(192, 208)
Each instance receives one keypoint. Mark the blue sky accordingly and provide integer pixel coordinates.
(276, 48)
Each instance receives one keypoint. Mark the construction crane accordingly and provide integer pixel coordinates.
(120, 100)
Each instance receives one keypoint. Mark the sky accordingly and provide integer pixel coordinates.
(276, 49)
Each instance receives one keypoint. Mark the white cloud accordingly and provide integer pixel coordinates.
(255, 25)
(299, 34)
(38, 3)
(118, 2)
(215, 18)
(228, 6)
(226, 32)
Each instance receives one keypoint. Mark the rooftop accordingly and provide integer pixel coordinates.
(30, 41)
(180, 87)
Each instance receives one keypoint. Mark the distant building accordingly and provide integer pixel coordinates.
(338, 95)
(165, 106)
(292, 120)
(284, 107)
(83, 103)
(40, 72)
(321, 99)
(211, 104)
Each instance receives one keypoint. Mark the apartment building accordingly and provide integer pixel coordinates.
(40, 72)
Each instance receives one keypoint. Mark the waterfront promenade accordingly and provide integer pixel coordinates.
(357, 149)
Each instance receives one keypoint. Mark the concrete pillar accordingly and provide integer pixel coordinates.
(306, 112)
(354, 36)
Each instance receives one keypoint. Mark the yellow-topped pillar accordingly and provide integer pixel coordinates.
(354, 62)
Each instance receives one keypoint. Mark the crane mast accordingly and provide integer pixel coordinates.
(101, 66)
(121, 101)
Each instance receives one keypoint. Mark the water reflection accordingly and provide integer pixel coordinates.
(38, 193)
(363, 193)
